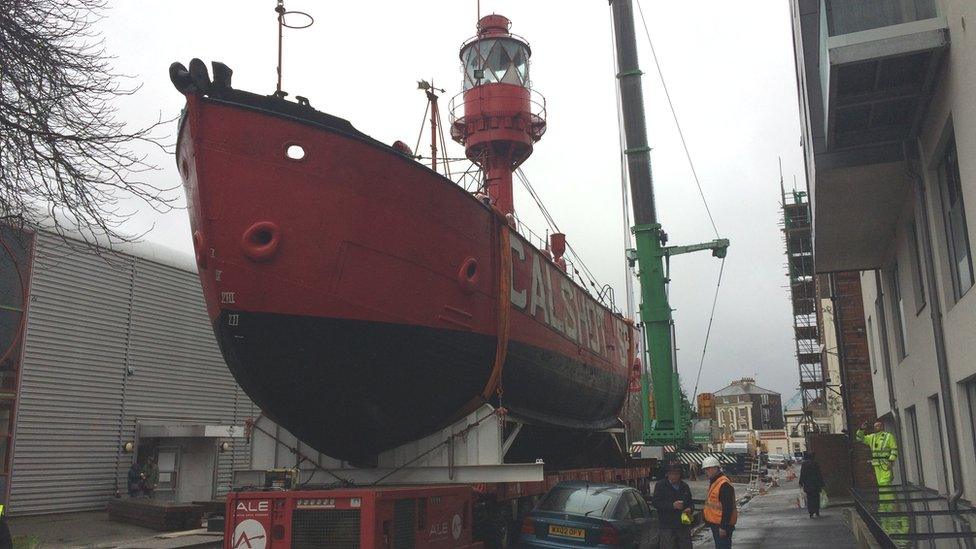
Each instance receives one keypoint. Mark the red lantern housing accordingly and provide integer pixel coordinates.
(500, 116)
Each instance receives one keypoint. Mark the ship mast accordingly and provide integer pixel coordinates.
(436, 127)
(664, 420)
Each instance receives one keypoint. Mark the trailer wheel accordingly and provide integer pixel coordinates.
(499, 529)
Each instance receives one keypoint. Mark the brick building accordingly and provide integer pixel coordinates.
(841, 298)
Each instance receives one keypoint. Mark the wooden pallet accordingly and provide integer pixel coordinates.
(160, 516)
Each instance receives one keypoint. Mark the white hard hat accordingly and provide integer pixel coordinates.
(710, 461)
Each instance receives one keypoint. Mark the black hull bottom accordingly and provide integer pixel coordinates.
(352, 389)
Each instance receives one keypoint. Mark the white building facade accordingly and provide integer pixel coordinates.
(888, 104)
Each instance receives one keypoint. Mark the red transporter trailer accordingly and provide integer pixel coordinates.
(428, 516)
(466, 515)
(468, 485)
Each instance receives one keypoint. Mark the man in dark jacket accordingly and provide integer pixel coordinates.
(134, 480)
(811, 480)
(150, 479)
(672, 498)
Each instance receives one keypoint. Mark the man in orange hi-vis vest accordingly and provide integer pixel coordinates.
(719, 513)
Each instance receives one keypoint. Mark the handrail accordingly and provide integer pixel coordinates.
(537, 104)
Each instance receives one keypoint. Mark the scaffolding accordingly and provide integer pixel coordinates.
(796, 225)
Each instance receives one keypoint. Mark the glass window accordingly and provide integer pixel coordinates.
(6, 429)
(502, 60)
(10, 343)
(971, 401)
(472, 62)
(6, 409)
(916, 448)
(935, 419)
(14, 275)
(630, 507)
(495, 64)
(918, 281)
(590, 501)
(954, 213)
(871, 355)
(638, 509)
(898, 303)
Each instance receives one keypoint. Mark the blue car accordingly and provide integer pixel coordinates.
(586, 514)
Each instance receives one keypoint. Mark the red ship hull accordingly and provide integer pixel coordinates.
(363, 300)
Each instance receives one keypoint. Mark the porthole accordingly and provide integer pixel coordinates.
(295, 152)
(262, 236)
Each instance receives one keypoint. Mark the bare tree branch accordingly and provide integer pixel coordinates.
(65, 156)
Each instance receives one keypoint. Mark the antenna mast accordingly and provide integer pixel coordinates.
(436, 128)
(280, 10)
(282, 24)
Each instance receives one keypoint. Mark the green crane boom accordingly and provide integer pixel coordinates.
(665, 421)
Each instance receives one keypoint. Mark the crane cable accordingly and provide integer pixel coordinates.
(694, 173)
(708, 332)
(578, 261)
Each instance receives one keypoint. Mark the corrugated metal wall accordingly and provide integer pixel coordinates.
(90, 320)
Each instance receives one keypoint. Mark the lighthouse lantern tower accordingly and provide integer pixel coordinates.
(497, 117)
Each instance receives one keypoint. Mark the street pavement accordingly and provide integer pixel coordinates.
(774, 521)
(94, 530)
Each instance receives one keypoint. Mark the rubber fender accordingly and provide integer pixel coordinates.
(260, 241)
(200, 249)
(467, 275)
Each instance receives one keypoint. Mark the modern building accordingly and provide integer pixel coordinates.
(889, 118)
(744, 406)
(108, 359)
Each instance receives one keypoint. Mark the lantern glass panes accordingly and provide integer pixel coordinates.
(503, 60)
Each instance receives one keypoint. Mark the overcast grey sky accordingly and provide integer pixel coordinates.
(729, 67)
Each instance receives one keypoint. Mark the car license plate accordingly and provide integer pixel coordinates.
(566, 531)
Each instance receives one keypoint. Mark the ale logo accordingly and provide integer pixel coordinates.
(249, 534)
(456, 527)
(254, 506)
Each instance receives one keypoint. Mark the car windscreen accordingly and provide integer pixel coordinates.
(579, 500)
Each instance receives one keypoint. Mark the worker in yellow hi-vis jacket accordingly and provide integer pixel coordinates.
(6, 542)
(884, 451)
